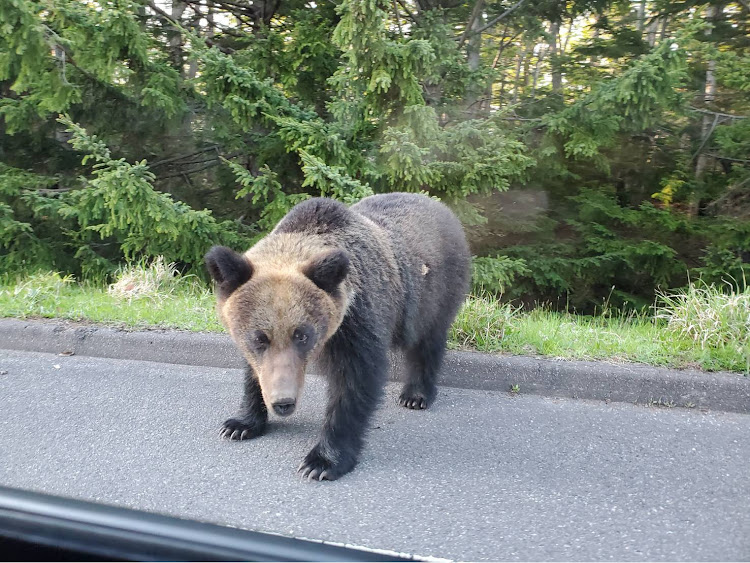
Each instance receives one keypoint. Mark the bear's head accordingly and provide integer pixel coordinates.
(280, 313)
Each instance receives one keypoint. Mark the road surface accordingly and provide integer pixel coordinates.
(481, 475)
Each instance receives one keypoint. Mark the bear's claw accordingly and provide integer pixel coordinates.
(315, 470)
(234, 429)
(315, 474)
(415, 401)
(316, 467)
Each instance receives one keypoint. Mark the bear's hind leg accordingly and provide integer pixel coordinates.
(423, 362)
(251, 421)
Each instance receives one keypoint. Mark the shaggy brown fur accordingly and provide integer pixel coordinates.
(342, 285)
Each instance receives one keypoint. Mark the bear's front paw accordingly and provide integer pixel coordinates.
(237, 429)
(319, 467)
(413, 397)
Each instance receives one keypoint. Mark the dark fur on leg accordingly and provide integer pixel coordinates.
(251, 421)
(357, 363)
(423, 364)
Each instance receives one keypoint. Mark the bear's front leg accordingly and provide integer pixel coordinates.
(356, 378)
(251, 421)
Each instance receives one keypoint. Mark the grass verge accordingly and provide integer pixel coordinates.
(702, 327)
(185, 305)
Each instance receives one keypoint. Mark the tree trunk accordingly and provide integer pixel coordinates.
(473, 47)
(653, 27)
(517, 78)
(641, 16)
(474, 41)
(664, 24)
(567, 35)
(175, 37)
(500, 49)
(528, 53)
(539, 58)
(713, 13)
(209, 32)
(486, 105)
(594, 62)
(554, 32)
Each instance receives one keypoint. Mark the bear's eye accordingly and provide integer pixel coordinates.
(304, 338)
(260, 340)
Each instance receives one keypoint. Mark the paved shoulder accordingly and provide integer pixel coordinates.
(631, 383)
(481, 475)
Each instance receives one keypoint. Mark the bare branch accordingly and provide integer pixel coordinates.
(503, 45)
(183, 156)
(726, 115)
(228, 5)
(533, 119)
(707, 137)
(472, 18)
(398, 18)
(166, 16)
(405, 8)
(729, 194)
(496, 19)
(211, 163)
(729, 158)
(52, 191)
(183, 173)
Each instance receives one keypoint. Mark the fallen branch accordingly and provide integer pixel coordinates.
(210, 164)
(183, 156)
(729, 158)
(717, 113)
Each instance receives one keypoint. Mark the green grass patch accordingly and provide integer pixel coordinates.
(485, 325)
(186, 305)
(702, 327)
(714, 318)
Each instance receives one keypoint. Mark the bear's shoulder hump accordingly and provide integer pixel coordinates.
(316, 215)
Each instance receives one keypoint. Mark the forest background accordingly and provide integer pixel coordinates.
(596, 151)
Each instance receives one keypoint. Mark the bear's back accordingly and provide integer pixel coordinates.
(407, 212)
(316, 216)
(419, 226)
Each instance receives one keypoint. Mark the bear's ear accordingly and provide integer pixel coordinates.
(228, 269)
(328, 270)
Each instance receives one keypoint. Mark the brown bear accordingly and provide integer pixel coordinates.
(342, 285)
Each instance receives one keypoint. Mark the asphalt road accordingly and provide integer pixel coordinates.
(481, 475)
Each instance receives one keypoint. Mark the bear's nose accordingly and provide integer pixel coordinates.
(284, 407)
